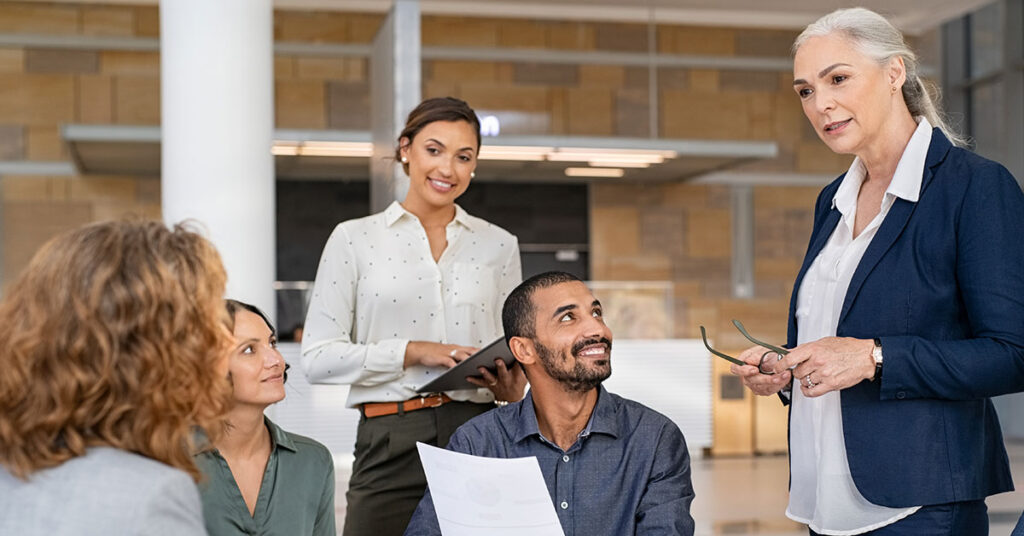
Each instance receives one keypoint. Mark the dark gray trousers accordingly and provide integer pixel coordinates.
(387, 479)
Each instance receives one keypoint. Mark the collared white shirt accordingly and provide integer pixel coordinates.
(378, 287)
(822, 492)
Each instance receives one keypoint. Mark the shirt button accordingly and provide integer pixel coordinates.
(901, 395)
(565, 458)
(564, 505)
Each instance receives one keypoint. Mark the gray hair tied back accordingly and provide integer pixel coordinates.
(875, 37)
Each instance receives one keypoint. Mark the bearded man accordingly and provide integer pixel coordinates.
(611, 465)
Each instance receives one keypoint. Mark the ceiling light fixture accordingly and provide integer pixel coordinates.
(594, 172)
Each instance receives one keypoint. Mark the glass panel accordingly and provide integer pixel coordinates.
(986, 40)
(988, 120)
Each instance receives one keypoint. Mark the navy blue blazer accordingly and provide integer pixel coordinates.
(942, 286)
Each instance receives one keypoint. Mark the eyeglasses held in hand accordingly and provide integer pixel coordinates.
(768, 359)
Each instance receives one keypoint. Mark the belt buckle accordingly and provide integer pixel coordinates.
(429, 401)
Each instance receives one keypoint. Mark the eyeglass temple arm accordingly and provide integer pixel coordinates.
(776, 349)
(730, 359)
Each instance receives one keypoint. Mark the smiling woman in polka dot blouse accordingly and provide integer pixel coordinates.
(401, 296)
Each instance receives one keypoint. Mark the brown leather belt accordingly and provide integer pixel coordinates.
(380, 409)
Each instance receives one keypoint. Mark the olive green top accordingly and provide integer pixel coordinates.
(296, 497)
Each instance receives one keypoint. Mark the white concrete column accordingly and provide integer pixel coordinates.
(394, 91)
(217, 122)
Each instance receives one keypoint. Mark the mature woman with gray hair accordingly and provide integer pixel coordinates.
(908, 311)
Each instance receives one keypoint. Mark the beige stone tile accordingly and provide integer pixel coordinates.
(147, 190)
(310, 27)
(458, 31)
(44, 143)
(27, 225)
(607, 76)
(521, 34)
(696, 40)
(765, 43)
(12, 142)
(12, 60)
(300, 104)
(549, 74)
(798, 197)
(570, 36)
(762, 81)
(647, 267)
(621, 37)
(25, 188)
(632, 113)
(357, 69)
(463, 71)
(147, 21)
(60, 61)
(673, 78)
(682, 195)
(108, 20)
(136, 100)
(505, 97)
(614, 231)
(285, 67)
(105, 189)
(31, 17)
(722, 115)
(363, 27)
(704, 81)
(130, 62)
(663, 230)
(816, 157)
(559, 110)
(320, 68)
(590, 112)
(709, 233)
(95, 99)
(37, 99)
(348, 105)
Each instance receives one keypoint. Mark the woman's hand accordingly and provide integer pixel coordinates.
(830, 364)
(435, 354)
(507, 384)
(759, 384)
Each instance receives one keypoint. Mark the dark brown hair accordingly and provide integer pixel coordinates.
(436, 109)
(112, 336)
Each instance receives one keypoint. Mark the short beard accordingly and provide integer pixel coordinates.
(579, 379)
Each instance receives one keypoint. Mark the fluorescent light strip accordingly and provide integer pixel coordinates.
(594, 172)
(609, 163)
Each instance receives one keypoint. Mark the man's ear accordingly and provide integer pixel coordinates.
(523, 350)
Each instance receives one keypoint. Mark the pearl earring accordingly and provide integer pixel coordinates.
(405, 160)
(472, 174)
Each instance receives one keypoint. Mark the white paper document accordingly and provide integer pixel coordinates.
(493, 496)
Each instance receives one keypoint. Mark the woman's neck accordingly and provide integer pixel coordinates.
(430, 216)
(883, 156)
(246, 434)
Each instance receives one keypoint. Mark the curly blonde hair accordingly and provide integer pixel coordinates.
(113, 335)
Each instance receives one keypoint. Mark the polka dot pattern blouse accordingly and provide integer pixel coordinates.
(378, 287)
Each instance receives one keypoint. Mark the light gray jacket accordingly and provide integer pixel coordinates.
(107, 492)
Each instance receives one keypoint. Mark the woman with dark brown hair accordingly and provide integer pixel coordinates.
(114, 351)
(400, 297)
(261, 479)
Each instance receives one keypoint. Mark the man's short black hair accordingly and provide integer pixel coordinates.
(517, 314)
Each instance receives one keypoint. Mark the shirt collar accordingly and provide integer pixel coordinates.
(395, 211)
(906, 180)
(602, 419)
(278, 438)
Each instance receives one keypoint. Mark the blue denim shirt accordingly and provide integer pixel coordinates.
(627, 473)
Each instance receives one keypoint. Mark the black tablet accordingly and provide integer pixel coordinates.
(455, 377)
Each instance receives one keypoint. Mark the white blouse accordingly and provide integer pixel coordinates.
(378, 287)
(822, 491)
